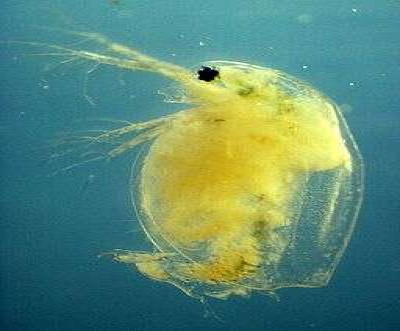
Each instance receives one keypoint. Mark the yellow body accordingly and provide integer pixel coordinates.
(222, 172)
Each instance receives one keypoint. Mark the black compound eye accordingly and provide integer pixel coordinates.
(207, 74)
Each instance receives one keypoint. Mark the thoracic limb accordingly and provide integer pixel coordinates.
(140, 133)
(99, 145)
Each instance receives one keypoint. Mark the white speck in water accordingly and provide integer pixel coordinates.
(44, 84)
(201, 43)
(305, 19)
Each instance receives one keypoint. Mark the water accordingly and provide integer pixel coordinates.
(53, 228)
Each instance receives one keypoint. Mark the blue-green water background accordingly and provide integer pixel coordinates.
(52, 229)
